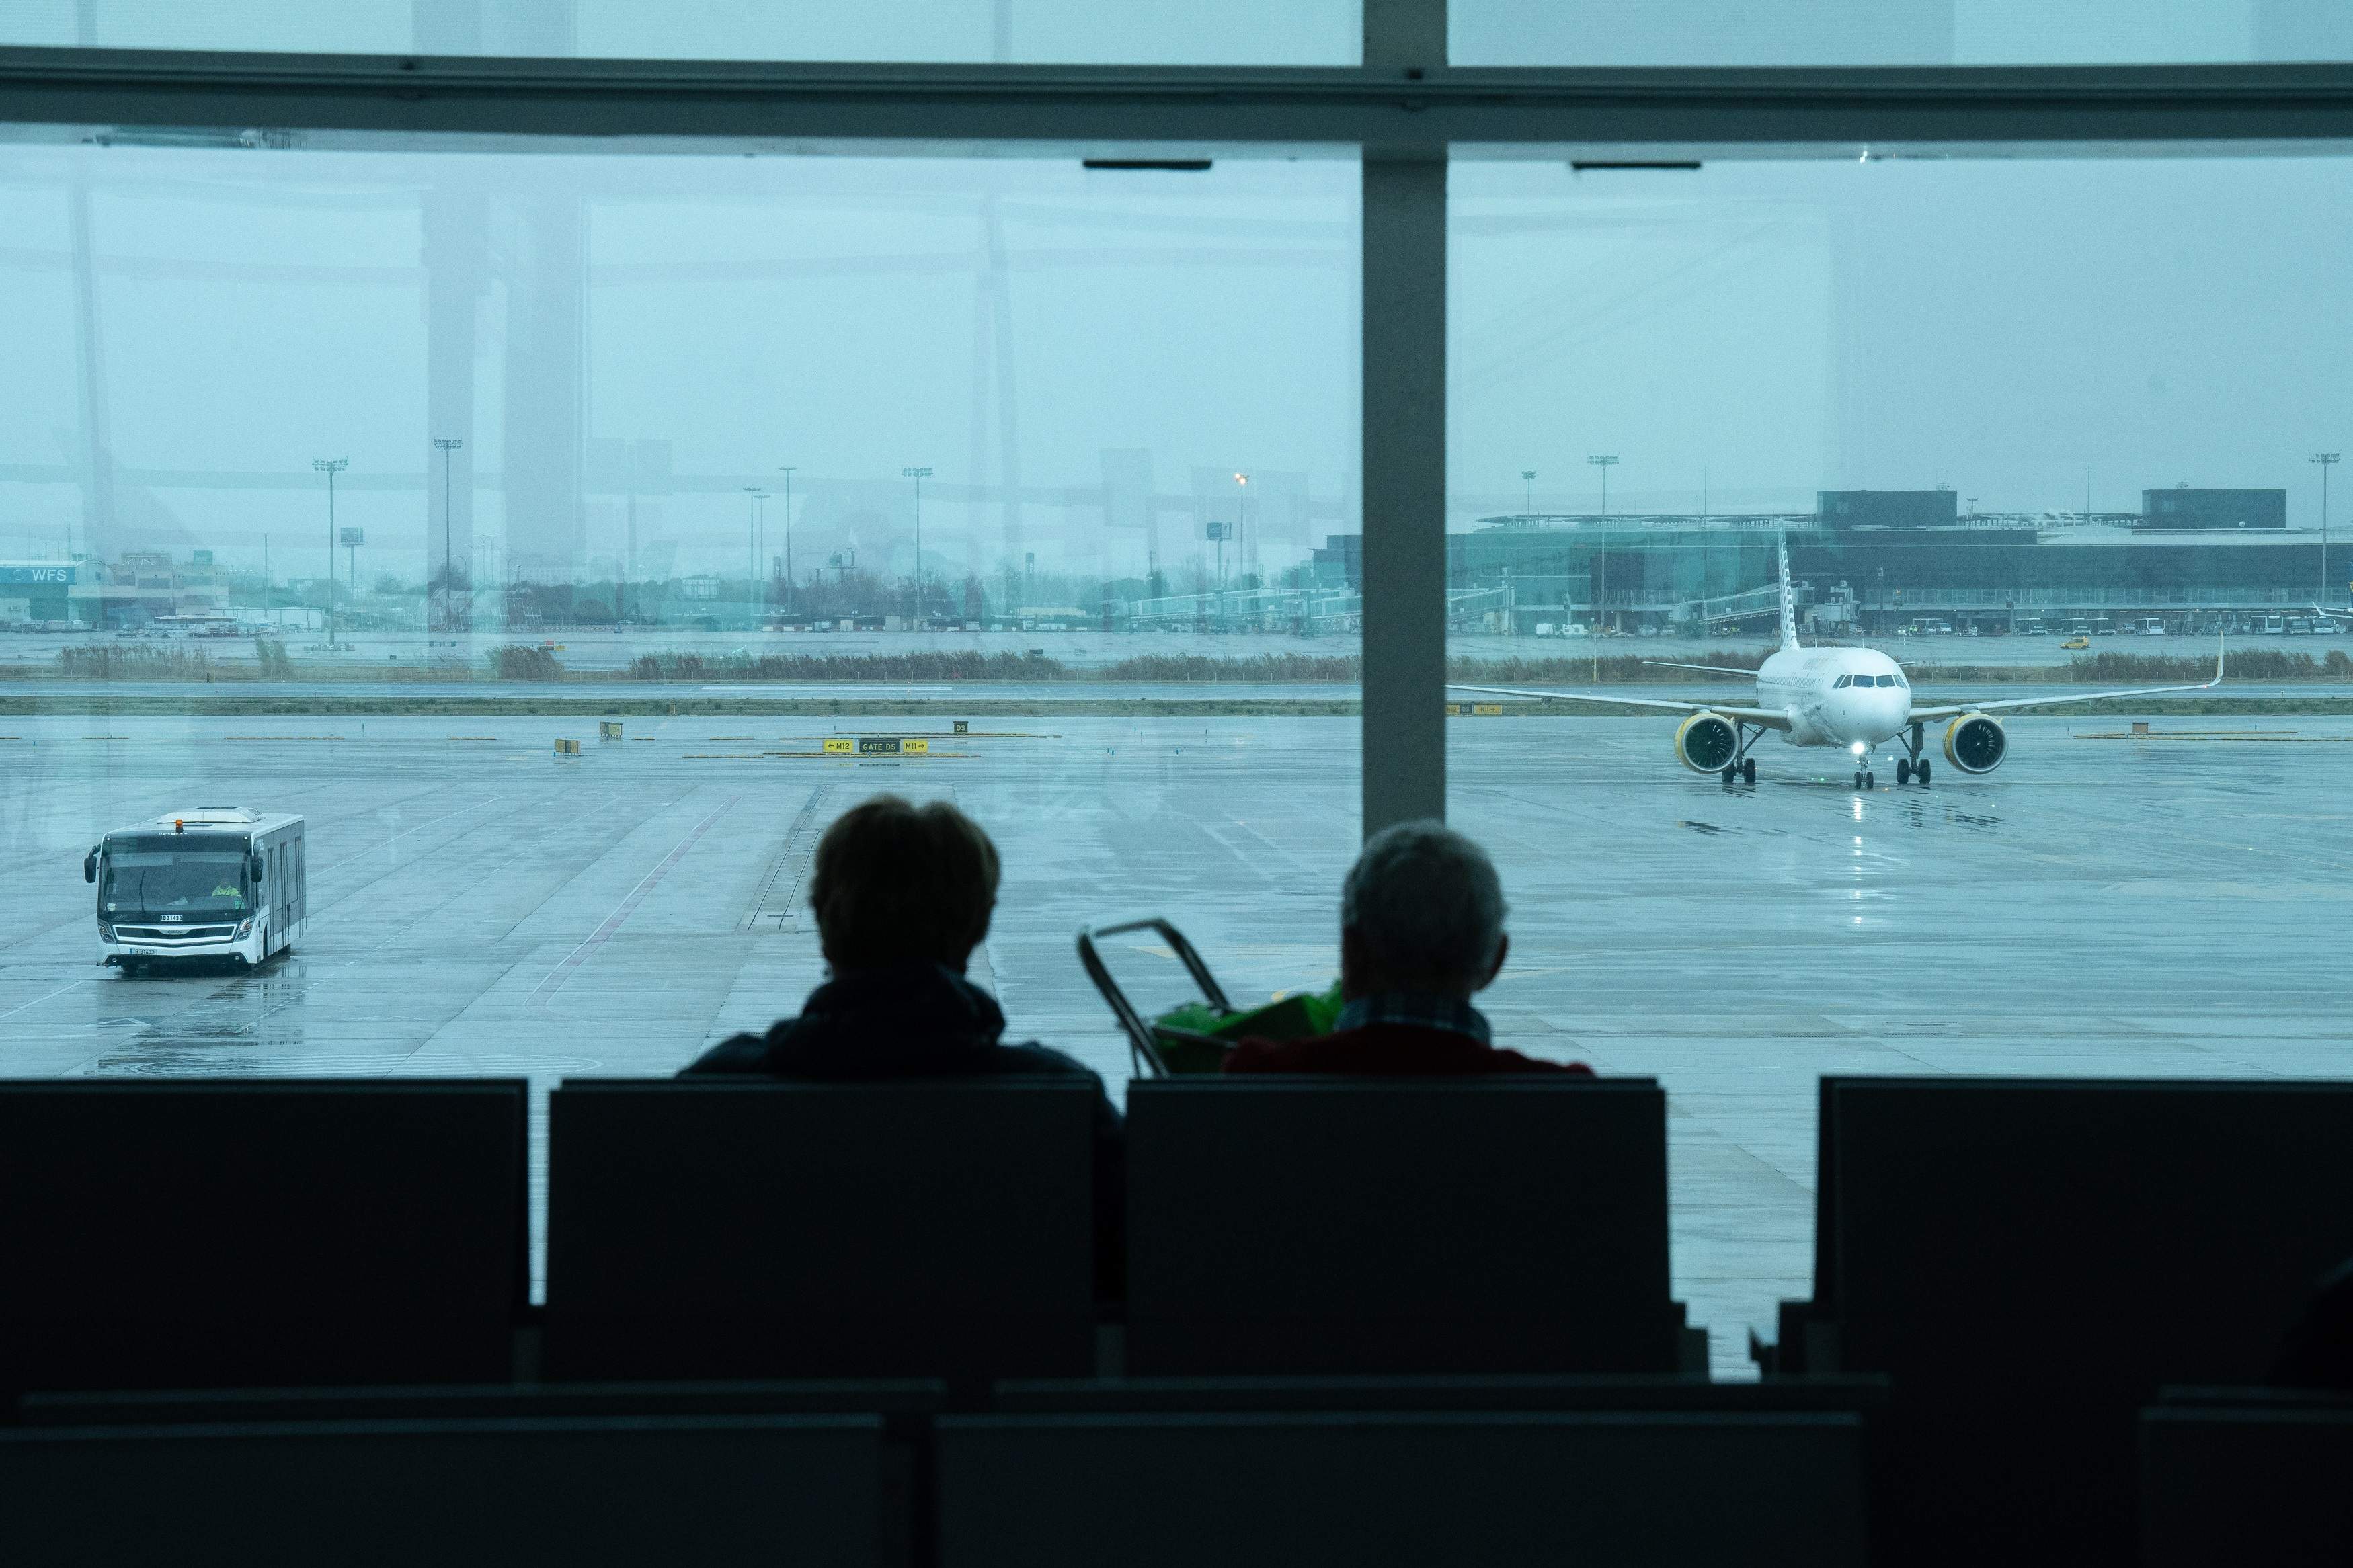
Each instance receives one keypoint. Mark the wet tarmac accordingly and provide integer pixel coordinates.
(479, 906)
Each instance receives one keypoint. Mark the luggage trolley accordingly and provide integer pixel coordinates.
(1144, 1037)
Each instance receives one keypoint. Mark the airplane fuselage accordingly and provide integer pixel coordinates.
(1836, 696)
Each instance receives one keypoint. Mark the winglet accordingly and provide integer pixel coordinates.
(2218, 661)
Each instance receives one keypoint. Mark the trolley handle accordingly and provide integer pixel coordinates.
(1143, 1053)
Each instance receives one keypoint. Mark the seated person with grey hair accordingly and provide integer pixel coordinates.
(1422, 932)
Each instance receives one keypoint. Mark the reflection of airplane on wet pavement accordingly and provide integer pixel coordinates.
(1848, 698)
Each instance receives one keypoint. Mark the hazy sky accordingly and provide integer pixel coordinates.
(1751, 330)
(1995, 325)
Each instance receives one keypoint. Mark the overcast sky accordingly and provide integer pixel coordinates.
(1744, 334)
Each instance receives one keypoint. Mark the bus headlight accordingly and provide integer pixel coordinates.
(244, 929)
(105, 931)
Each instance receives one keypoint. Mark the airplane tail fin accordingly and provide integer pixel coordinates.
(1788, 601)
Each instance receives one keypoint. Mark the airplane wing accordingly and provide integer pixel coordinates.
(1953, 710)
(1710, 668)
(1771, 718)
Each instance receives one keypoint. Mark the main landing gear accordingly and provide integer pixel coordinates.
(1742, 768)
(1914, 768)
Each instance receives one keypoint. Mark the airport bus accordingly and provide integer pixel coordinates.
(213, 882)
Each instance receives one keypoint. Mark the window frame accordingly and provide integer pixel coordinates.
(1404, 112)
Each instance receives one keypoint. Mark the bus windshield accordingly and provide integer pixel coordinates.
(190, 881)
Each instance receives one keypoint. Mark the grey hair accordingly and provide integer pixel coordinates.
(1425, 906)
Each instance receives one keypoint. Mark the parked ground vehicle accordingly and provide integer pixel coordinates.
(213, 882)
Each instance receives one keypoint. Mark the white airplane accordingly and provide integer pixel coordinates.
(1848, 698)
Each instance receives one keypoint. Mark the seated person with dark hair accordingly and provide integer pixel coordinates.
(1422, 932)
(903, 895)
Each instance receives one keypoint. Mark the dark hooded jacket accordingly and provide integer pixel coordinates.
(921, 1020)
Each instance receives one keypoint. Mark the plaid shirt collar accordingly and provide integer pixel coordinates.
(1421, 1011)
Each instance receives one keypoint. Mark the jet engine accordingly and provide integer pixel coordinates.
(1706, 743)
(1974, 743)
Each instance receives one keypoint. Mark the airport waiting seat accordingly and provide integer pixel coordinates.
(1324, 1225)
(214, 1232)
(456, 1494)
(1368, 1488)
(2028, 1260)
(721, 1229)
(2254, 1477)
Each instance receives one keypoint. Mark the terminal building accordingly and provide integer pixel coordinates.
(1875, 561)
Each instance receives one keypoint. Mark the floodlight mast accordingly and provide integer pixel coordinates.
(2326, 460)
(752, 494)
(918, 476)
(787, 471)
(1602, 557)
(447, 445)
(331, 466)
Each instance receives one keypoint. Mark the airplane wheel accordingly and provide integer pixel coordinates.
(1748, 771)
(1902, 771)
(1920, 771)
(1870, 781)
(1730, 772)
(1858, 778)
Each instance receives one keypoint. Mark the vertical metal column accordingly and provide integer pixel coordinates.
(1404, 286)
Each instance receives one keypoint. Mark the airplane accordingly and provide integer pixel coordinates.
(1848, 698)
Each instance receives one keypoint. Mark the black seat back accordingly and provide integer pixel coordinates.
(584, 1492)
(2264, 1484)
(735, 1229)
(214, 1232)
(2028, 1260)
(1369, 1489)
(1322, 1225)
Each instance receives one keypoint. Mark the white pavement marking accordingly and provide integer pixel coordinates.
(38, 1000)
(562, 972)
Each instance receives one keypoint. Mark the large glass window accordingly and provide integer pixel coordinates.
(568, 540)
(2026, 427)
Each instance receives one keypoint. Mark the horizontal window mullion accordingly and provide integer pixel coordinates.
(1195, 105)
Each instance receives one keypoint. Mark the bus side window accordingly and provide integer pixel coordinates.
(302, 879)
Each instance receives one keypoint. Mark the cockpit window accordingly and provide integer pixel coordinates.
(1898, 680)
(1843, 680)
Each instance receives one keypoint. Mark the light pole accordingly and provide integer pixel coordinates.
(760, 550)
(447, 445)
(1241, 522)
(2326, 460)
(787, 471)
(1529, 476)
(331, 466)
(1601, 558)
(918, 476)
(752, 494)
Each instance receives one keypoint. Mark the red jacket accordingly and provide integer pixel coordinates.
(1389, 1051)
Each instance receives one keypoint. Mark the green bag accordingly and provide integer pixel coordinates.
(1196, 1038)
